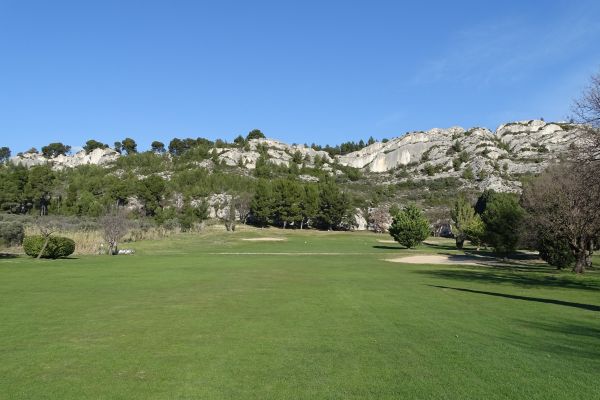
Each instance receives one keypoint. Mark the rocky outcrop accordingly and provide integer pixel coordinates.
(478, 156)
(96, 157)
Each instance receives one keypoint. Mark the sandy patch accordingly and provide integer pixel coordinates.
(438, 259)
(265, 239)
(387, 241)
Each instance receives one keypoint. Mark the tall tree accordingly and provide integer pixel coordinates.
(262, 203)
(503, 217)
(466, 222)
(334, 205)
(564, 207)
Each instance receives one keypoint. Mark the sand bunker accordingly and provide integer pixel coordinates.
(387, 241)
(265, 239)
(438, 259)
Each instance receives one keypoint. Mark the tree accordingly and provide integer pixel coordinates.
(309, 204)
(151, 191)
(55, 149)
(4, 154)
(92, 145)
(118, 147)
(464, 221)
(114, 227)
(409, 227)
(502, 218)
(242, 202)
(129, 145)
(255, 134)
(240, 141)
(46, 228)
(587, 112)
(158, 147)
(564, 206)
(334, 205)
(262, 203)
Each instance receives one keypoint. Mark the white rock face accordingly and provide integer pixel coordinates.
(95, 157)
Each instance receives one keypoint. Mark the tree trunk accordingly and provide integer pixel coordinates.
(284, 224)
(460, 241)
(43, 247)
(301, 223)
(580, 263)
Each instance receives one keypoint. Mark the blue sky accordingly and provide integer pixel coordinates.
(301, 71)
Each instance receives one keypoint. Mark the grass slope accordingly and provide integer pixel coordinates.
(181, 320)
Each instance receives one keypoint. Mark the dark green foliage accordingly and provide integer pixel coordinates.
(129, 145)
(118, 146)
(11, 233)
(468, 174)
(503, 217)
(157, 147)
(409, 226)
(262, 203)
(151, 191)
(55, 149)
(57, 246)
(555, 251)
(178, 147)
(255, 134)
(334, 206)
(4, 154)
(92, 145)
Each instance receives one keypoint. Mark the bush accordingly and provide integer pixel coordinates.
(57, 247)
(502, 218)
(409, 227)
(11, 233)
(555, 252)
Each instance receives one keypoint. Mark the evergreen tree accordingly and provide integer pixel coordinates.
(409, 227)
(129, 145)
(262, 203)
(334, 205)
(502, 218)
(157, 147)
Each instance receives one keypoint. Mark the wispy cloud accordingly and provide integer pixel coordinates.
(508, 50)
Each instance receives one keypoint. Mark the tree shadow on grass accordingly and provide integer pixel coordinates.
(390, 247)
(566, 338)
(583, 306)
(4, 256)
(498, 276)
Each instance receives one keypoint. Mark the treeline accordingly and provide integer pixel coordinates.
(289, 203)
(178, 146)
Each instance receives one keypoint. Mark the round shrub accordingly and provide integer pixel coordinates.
(57, 247)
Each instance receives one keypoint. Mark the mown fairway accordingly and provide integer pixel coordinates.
(180, 321)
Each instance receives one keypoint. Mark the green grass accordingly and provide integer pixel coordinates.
(180, 320)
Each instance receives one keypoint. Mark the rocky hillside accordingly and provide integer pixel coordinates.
(477, 156)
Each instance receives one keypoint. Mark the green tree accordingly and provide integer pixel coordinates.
(92, 145)
(151, 192)
(129, 145)
(409, 227)
(55, 149)
(334, 205)
(261, 205)
(503, 217)
(462, 215)
(158, 147)
(118, 147)
(255, 134)
(309, 204)
(4, 154)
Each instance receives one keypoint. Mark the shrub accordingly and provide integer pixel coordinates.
(555, 251)
(502, 217)
(57, 247)
(11, 233)
(409, 227)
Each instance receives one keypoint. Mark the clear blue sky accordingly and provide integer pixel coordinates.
(301, 71)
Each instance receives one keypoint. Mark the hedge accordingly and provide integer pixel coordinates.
(57, 247)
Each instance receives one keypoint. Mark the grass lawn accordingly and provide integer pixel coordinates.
(209, 317)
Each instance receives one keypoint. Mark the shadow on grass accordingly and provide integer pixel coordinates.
(389, 247)
(583, 306)
(520, 277)
(7, 255)
(568, 339)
